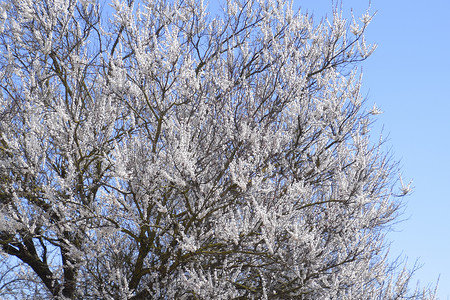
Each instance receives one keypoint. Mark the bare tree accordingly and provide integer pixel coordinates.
(153, 151)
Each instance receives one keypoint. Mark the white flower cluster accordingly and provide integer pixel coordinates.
(155, 151)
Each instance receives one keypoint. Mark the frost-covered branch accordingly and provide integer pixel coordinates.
(149, 150)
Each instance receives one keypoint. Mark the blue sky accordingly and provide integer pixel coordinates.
(408, 77)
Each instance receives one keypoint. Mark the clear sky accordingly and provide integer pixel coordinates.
(408, 77)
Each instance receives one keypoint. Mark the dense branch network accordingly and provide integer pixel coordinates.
(149, 150)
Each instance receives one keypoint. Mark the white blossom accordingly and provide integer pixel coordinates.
(375, 110)
(155, 150)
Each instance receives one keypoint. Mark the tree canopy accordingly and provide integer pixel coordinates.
(156, 150)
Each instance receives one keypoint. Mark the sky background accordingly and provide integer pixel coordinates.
(408, 77)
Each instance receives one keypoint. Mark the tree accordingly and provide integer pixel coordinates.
(153, 151)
